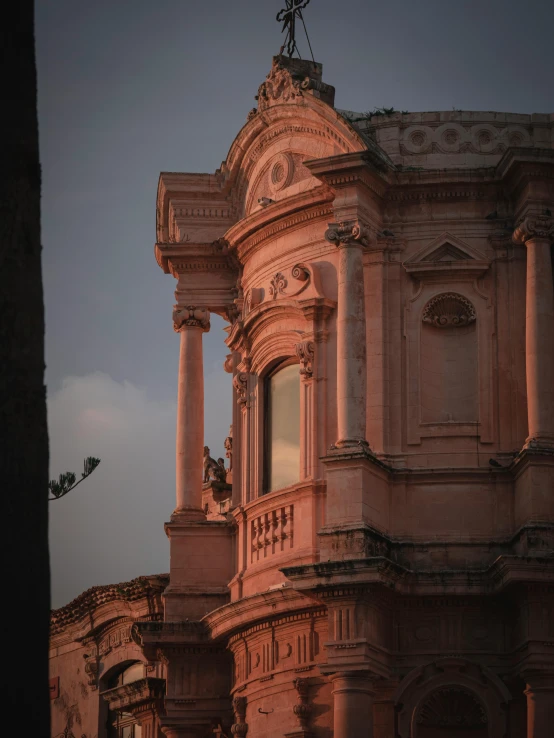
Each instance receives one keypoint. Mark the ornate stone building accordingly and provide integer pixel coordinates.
(379, 561)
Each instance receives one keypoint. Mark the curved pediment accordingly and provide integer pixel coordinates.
(293, 123)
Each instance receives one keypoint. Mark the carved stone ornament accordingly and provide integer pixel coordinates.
(452, 707)
(279, 86)
(350, 231)
(449, 310)
(302, 709)
(191, 316)
(305, 352)
(213, 470)
(240, 726)
(277, 285)
(240, 383)
(228, 445)
(538, 226)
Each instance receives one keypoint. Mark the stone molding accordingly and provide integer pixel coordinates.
(191, 317)
(534, 227)
(81, 606)
(135, 694)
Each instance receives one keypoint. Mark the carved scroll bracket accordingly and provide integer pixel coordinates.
(240, 383)
(305, 351)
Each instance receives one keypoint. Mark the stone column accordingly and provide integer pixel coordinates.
(537, 234)
(350, 237)
(190, 322)
(540, 704)
(352, 705)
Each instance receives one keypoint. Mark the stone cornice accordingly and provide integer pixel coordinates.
(245, 613)
(135, 694)
(346, 170)
(176, 259)
(278, 217)
(86, 603)
(349, 578)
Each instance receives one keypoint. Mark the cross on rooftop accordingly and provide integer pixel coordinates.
(287, 16)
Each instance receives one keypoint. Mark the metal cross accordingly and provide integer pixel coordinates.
(287, 16)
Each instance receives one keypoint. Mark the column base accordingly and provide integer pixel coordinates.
(347, 442)
(187, 515)
(539, 443)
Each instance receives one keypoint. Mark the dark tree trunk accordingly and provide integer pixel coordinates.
(24, 446)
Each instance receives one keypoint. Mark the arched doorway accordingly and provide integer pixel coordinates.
(451, 712)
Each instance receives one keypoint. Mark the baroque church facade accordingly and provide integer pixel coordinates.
(377, 556)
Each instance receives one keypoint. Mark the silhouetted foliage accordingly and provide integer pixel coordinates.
(67, 481)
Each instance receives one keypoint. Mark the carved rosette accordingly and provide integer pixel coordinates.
(347, 233)
(240, 383)
(449, 310)
(192, 317)
(302, 709)
(305, 351)
(538, 226)
(240, 726)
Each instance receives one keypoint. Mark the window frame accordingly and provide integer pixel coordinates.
(274, 368)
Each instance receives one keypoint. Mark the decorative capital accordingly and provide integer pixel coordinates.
(348, 232)
(305, 351)
(535, 226)
(192, 317)
(240, 726)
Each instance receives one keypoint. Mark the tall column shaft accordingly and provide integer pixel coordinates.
(352, 706)
(537, 233)
(539, 345)
(190, 323)
(540, 706)
(351, 334)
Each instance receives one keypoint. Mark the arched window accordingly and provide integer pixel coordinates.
(282, 419)
(122, 724)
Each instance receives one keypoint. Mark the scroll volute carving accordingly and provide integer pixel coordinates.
(240, 383)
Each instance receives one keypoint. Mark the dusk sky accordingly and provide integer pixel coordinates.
(129, 88)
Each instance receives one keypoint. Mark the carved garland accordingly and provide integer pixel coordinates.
(449, 310)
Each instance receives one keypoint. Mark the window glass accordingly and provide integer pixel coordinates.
(133, 673)
(283, 428)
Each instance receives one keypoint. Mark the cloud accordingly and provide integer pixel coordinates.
(110, 528)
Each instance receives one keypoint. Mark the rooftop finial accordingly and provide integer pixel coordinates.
(287, 16)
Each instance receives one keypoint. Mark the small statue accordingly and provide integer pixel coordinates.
(228, 443)
(213, 470)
